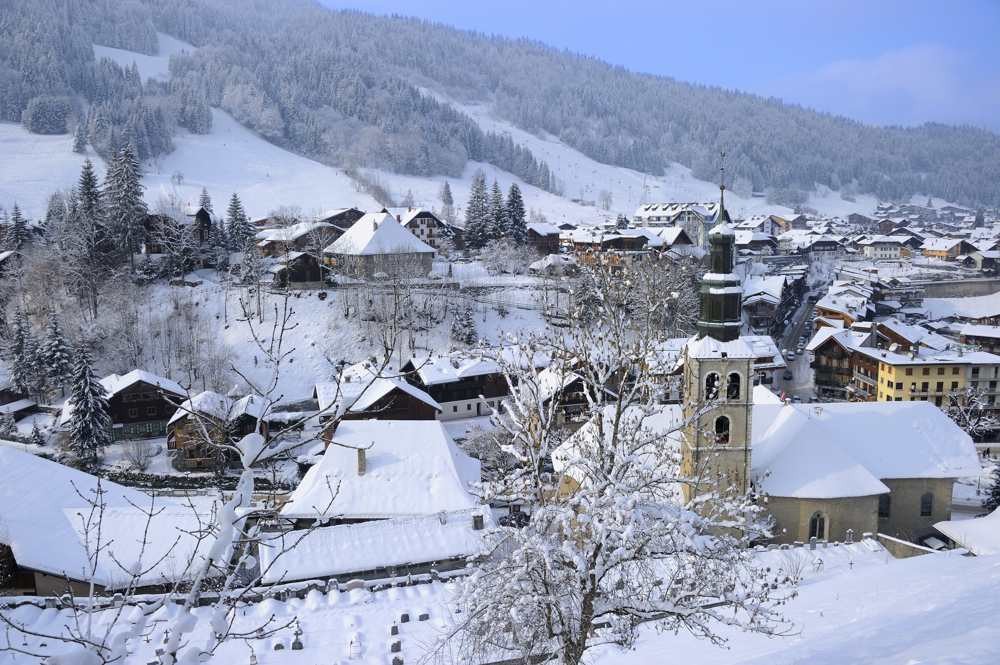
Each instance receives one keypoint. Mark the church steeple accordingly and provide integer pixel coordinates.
(721, 289)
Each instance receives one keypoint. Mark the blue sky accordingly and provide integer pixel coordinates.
(881, 61)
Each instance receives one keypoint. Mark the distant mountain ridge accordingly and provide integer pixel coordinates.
(343, 87)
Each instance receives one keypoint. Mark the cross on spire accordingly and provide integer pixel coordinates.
(722, 182)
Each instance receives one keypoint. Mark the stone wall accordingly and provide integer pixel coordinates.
(792, 516)
(904, 519)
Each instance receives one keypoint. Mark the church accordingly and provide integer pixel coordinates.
(826, 471)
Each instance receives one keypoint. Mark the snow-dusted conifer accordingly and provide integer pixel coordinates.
(237, 224)
(17, 234)
(992, 500)
(37, 438)
(463, 326)
(205, 201)
(123, 196)
(497, 214)
(19, 358)
(80, 139)
(90, 423)
(516, 223)
(477, 213)
(55, 354)
(447, 202)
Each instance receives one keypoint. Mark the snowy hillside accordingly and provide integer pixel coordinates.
(234, 159)
(150, 66)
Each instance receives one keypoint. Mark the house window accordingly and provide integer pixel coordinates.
(133, 413)
(954, 385)
(909, 371)
(939, 386)
(150, 410)
(817, 526)
(926, 504)
(712, 386)
(454, 409)
(722, 429)
(954, 371)
(899, 385)
(733, 386)
(940, 371)
(926, 371)
(884, 505)
(923, 387)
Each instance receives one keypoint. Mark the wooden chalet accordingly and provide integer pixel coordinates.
(543, 237)
(223, 419)
(141, 404)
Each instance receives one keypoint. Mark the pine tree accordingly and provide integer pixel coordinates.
(516, 222)
(123, 194)
(19, 351)
(8, 427)
(80, 140)
(497, 214)
(88, 193)
(37, 438)
(205, 201)
(463, 326)
(477, 213)
(90, 422)
(992, 501)
(18, 233)
(447, 202)
(237, 224)
(55, 354)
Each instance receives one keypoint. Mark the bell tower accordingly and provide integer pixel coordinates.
(718, 375)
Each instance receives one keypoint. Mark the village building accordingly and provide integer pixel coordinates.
(424, 224)
(202, 425)
(946, 248)
(141, 404)
(464, 384)
(301, 237)
(342, 218)
(361, 395)
(295, 269)
(49, 549)
(377, 244)
(766, 303)
(695, 218)
(384, 470)
(984, 338)
(543, 237)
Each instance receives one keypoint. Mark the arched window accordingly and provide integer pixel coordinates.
(817, 526)
(712, 386)
(722, 429)
(926, 504)
(884, 506)
(733, 386)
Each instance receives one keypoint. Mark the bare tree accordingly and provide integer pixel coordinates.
(608, 543)
(971, 411)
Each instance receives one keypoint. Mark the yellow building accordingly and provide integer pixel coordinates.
(928, 375)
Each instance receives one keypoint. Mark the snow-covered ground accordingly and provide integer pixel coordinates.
(855, 605)
(150, 66)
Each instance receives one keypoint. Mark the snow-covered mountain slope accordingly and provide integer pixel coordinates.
(234, 159)
(32, 166)
(150, 66)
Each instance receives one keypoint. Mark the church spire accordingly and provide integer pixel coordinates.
(721, 289)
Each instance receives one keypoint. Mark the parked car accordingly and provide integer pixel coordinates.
(788, 376)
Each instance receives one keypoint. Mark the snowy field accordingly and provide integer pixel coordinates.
(150, 66)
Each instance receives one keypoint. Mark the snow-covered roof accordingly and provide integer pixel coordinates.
(406, 215)
(914, 334)
(461, 364)
(115, 383)
(763, 287)
(981, 536)
(6, 255)
(709, 347)
(653, 428)
(42, 508)
(837, 449)
(931, 357)
(412, 468)
(974, 307)
(220, 407)
(847, 338)
(293, 232)
(543, 228)
(940, 244)
(359, 389)
(15, 406)
(378, 233)
(356, 548)
(976, 330)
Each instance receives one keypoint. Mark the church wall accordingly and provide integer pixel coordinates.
(904, 519)
(792, 517)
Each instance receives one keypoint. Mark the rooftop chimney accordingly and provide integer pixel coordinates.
(362, 462)
(477, 522)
